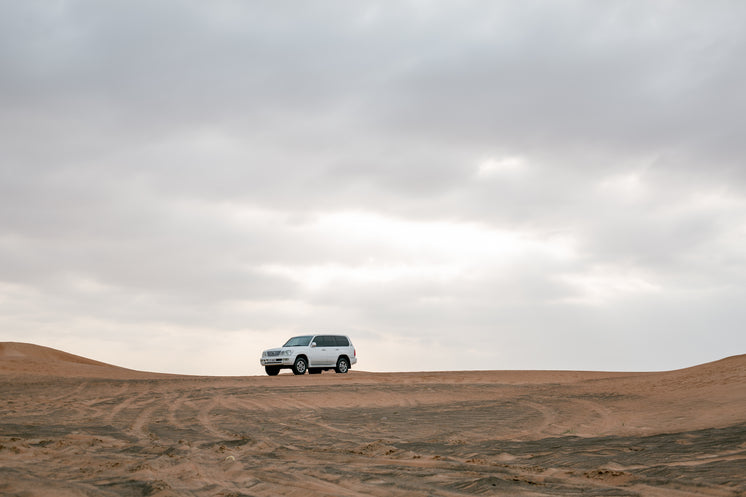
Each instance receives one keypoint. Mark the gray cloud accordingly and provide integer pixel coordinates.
(562, 183)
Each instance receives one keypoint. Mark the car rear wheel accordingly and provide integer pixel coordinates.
(300, 365)
(343, 365)
(272, 370)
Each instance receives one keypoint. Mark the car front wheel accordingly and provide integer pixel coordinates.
(272, 370)
(342, 365)
(300, 366)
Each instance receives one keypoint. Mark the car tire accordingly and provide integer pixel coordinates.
(300, 366)
(272, 370)
(343, 365)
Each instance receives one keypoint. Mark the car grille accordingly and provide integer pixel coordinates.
(273, 353)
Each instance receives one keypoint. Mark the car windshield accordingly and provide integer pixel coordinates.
(299, 341)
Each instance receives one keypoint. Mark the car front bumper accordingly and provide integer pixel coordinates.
(276, 361)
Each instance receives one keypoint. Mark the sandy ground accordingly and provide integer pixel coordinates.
(70, 426)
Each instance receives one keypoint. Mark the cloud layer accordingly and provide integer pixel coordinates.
(483, 185)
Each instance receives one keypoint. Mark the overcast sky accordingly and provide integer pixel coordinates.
(455, 185)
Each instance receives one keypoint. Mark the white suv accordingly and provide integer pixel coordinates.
(314, 353)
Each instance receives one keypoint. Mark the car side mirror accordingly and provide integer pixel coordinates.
(313, 344)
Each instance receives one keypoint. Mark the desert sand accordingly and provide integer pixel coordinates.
(71, 426)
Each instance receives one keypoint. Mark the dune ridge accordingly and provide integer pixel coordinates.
(30, 359)
(33, 352)
(21, 357)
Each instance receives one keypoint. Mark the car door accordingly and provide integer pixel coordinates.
(323, 353)
(342, 347)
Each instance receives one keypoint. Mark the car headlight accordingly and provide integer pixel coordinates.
(287, 352)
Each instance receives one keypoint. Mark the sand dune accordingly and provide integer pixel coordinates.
(71, 426)
(30, 359)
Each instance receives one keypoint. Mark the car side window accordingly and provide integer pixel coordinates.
(341, 341)
(323, 341)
